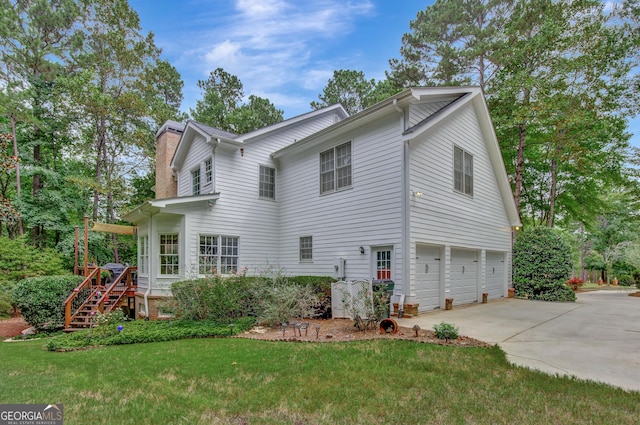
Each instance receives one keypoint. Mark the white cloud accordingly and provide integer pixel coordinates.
(226, 52)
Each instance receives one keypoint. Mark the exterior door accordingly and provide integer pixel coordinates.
(383, 263)
(427, 277)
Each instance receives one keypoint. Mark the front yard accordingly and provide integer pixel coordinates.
(240, 381)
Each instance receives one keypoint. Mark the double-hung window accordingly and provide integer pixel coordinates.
(195, 181)
(218, 254)
(462, 171)
(335, 168)
(306, 248)
(267, 182)
(208, 255)
(169, 254)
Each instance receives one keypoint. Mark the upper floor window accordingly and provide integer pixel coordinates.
(462, 171)
(208, 171)
(267, 182)
(306, 248)
(335, 168)
(195, 181)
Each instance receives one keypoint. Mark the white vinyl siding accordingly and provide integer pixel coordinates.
(169, 254)
(195, 181)
(449, 222)
(368, 214)
(335, 168)
(267, 183)
(306, 248)
(462, 171)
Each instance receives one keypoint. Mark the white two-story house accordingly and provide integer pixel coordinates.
(413, 189)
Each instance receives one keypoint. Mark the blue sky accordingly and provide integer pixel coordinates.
(283, 50)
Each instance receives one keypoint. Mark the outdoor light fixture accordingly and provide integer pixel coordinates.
(362, 250)
(416, 194)
(241, 151)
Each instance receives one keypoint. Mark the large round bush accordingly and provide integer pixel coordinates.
(541, 265)
(41, 300)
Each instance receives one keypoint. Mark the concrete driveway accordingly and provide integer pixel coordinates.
(595, 338)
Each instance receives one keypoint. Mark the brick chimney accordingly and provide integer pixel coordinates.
(167, 139)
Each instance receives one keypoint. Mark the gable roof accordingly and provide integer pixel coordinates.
(457, 97)
(215, 135)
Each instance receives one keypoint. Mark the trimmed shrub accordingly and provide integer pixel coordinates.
(271, 300)
(41, 300)
(216, 298)
(542, 265)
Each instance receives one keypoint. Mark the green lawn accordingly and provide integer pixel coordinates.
(239, 381)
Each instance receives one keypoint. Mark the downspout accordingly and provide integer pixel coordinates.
(150, 266)
(406, 235)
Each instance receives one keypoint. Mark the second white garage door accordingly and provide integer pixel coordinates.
(464, 277)
(428, 277)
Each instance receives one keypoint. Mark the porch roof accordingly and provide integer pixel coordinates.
(155, 206)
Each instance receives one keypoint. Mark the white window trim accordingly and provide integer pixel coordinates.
(465, 154)
(260, 196)
(193, 173)
(219, 255)
(208, 176)
(305, 260)
(143, 259)
(335, 169)
(160, 255)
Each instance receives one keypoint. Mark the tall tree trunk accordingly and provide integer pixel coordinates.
(18, 184)
(520, 165)
(552, 192)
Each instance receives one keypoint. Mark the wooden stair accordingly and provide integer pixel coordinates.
(97, 294)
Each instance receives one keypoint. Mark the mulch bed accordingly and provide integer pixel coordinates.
(331, 330)
(12, 327)
(343, 330)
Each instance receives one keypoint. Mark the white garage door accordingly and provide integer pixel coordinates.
(427, 277)
(464, 277)
(496, 284)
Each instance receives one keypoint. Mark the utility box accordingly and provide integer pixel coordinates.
(339, 267)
